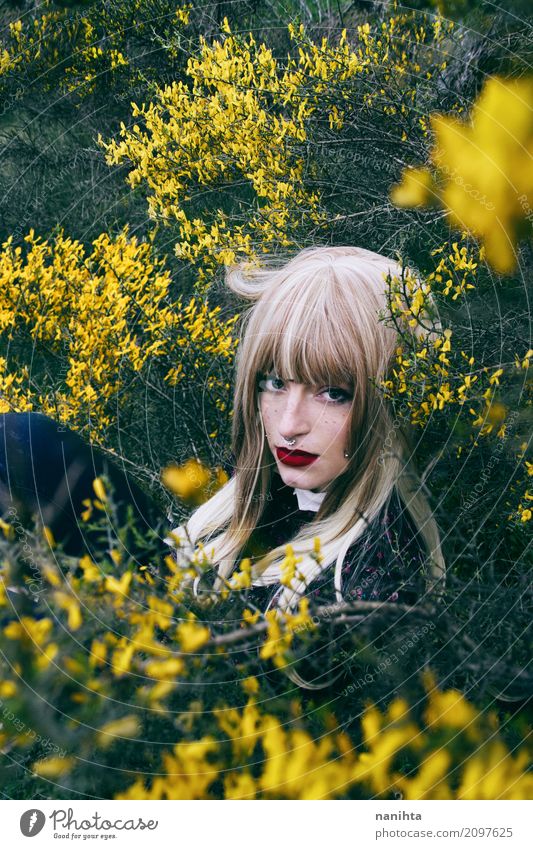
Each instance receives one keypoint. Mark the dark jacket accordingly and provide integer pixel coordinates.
(385, 564)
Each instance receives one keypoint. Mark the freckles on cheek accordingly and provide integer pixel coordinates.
(266, 415)
(339, 429)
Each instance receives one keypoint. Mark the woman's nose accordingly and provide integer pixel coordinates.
(293, 417)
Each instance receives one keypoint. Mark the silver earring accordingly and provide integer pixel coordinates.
(289, 441)
(346, 454)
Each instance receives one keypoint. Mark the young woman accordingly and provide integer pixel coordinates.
(317, 452)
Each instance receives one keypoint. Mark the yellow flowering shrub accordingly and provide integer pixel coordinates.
(97, 318)
(41, 42)
(429, 372)
(432, 373)
(241, 119)
(219, 127)
(81, 53)
(204, 680)
(523, 511)
(289, 764)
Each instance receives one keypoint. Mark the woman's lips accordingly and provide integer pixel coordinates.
(295, 458)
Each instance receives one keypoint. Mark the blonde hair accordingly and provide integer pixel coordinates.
(336, 295)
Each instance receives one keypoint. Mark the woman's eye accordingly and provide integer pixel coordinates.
(338, 395)
(270, 382)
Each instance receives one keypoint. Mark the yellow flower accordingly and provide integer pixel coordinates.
(99, 489)
(48, 654)
(243, 729)
(7, 689)
(189, 482)
(122, 657)
(192, 636)
(450, 709)
(91, 572)
(242, 578)
(239, 785)
(183, 13)
(485, 169)
(288, 566)
(278, 638)
(165, 668)
(119, 587)
(250, 685)
(49, 537)
(51, 574)
(317, 550)
(116, 556)
(416, 188)
(67, 602)
(128, 726)
(250, 618)
(88, 512)
(28, 629)
(53, 767)
(493, 773)
(497, 413)
(430, 780)
(7, 529)
(98, 653)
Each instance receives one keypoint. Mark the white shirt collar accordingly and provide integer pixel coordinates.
(308, 500)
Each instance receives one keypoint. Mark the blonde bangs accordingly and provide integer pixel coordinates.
(304, 329)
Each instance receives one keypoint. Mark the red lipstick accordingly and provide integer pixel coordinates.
(295, 458)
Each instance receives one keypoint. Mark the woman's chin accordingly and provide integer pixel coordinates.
(296, 477)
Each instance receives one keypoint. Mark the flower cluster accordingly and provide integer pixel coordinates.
(241, 120)
(79, 54)
(428, 371)
(176, 674)
(97, 319)
(227, 124)
(40, 44)
(105, 656)
(487, 770)
(524, 510)
(281, 628)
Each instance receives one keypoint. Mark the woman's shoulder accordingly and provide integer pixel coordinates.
(387, 563)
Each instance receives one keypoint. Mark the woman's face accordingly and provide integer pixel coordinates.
(317, 418)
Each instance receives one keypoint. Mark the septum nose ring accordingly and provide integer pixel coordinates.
(292, 441)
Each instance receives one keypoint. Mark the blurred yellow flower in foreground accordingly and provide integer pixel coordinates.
(127, 726)
(416, 189)
(99, 489)
(192, 636)
(484, 170)
(7, 689)
(53, 767)
(69, 603)
(193, 482)
(120, 587)
(29, 630)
